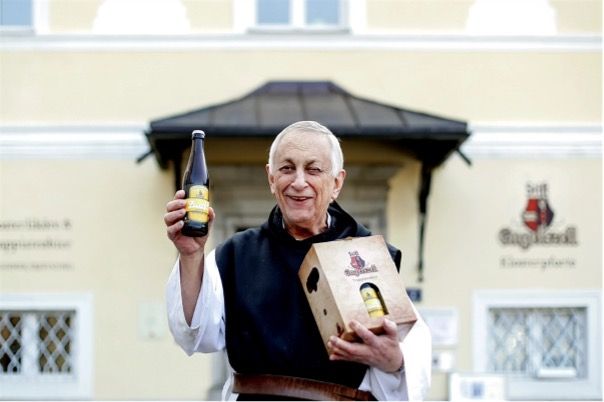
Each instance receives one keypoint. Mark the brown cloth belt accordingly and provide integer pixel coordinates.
(295, 387)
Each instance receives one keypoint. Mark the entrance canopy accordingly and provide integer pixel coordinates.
(264, 112)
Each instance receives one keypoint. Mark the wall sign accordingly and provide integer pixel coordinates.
(537, 218)
(35, 243)
(537, 228)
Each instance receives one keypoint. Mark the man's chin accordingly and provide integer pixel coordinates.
(298, 219)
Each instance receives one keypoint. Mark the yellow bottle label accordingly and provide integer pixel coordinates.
(198, 204)
(372, 302)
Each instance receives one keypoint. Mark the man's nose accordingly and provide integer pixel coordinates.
(300, 179)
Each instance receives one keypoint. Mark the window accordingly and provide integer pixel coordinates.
(45, 346)
(16, 13)
(546, 343)
(537, 342)
(273, 12)
(24, 16)
(51, 352)
(300, 14)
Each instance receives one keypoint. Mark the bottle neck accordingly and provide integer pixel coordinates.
(197, 144)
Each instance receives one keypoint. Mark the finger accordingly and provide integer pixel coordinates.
(175, 204)
(337, 353)
(171, 218)
(344, 348)
(174, 230)
(180, 194)
(390, 328)
(366, 335)
(334, 345)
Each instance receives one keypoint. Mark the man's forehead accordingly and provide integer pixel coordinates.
(312, 145)
(302, 139)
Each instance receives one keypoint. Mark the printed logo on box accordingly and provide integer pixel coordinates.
(359, 265)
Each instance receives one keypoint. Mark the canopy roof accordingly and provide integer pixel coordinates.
(264, 112)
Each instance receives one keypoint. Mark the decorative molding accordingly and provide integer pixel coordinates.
(64, 141)
(127, 141)
(293, 41)
(547, 140)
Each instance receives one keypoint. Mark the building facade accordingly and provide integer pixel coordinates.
(512, 275)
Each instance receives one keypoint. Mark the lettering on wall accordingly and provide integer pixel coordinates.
(36, 243)
(537, 228)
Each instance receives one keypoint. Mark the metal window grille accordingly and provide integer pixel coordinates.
(36, 343)
(10, 347)
(538, 342)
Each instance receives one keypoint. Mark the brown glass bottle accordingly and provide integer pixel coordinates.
(196, 184)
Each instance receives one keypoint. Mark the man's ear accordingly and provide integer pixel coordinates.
(271, 178)
(339, 183)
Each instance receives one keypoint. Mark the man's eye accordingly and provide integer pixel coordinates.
(314, 170)
(286, 169)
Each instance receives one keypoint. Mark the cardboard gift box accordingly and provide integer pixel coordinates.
(354, 279)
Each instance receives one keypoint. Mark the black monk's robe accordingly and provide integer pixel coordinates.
(270, 328)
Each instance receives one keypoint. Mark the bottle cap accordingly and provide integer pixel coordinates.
(198, 134)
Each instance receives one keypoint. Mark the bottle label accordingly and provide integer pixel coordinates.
(198, 204)
(374, 307)
(372, 302)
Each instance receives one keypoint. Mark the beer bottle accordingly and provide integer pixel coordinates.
(373, 300)
(196, 183)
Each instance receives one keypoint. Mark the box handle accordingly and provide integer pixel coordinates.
(312, 280)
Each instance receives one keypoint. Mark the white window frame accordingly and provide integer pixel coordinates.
(352, 12)
(39, 20)
(521, 387)
(76, 385)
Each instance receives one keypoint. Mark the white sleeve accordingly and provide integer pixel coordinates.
(206, 332)
(413, 381)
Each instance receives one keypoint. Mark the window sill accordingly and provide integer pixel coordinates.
(284, 30)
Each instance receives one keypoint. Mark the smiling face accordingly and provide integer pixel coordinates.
(302, 182)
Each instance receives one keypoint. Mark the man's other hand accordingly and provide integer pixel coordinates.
(380, 351)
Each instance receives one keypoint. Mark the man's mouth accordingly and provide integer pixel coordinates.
(299, 198)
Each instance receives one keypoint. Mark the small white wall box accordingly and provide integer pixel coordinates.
(354, 279)
(476, 387)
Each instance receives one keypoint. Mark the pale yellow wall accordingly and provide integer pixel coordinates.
(68, 16)
(417, 15)
(138, 86)
(119, 253)
(468, 205)
(576, 16)
(209, 15)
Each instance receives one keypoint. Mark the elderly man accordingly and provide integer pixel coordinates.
(245, 295)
